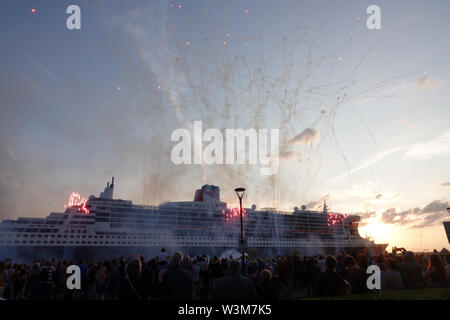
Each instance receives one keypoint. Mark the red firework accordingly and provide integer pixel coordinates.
(335, 218)
(76, 201)
(233, 213)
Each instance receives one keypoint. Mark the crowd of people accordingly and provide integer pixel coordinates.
(177, 277)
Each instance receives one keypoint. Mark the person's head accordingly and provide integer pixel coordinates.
(235, 266)
(253, 268)
(330, 262)
(133, 268)
(447, 258)
(391, 264)
(265, 276)
(163, 250)
(177, 259)
(349, 262)
(379, 259)
(409, 256)
(435, 262)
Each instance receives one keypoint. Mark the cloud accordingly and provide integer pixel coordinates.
(445, 184)
(307, 136)
(369, 162)
(426, 82)
(434, 148)
(288, 155)
(417, 217)
(435, 206)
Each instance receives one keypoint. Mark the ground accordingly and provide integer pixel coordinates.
(422, 294)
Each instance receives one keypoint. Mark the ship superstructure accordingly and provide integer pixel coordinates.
(103, 226)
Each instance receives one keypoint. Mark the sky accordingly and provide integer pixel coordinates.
(363, 114)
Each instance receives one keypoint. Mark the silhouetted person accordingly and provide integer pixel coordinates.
(216, 270)
(204, 279)
(266, 289)
(330, 283)
(177, 282)
(394, 278)
(133, 287)
(356, 276)
(34, 285)
(435, 272)
(234, 286)
(447, 267)
(163, 256)
(411, 272)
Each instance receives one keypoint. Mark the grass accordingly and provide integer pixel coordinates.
(421, 294)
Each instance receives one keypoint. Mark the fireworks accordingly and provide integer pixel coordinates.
(233, 213)
(334, 218)
(77, 202)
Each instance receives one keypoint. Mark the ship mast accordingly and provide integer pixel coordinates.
(325, 207)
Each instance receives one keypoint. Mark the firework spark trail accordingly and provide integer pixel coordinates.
(208, 77)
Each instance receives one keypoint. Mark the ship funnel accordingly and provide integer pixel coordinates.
(108, 192)
(207, 193)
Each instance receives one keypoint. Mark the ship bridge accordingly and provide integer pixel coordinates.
(208, 197)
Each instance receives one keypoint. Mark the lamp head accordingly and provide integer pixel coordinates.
(239, 192)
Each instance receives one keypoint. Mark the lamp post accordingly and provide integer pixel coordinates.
(240, 193)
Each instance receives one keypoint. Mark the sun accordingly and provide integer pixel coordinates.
(378, 231)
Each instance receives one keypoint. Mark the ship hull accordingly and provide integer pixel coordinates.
(29, 253)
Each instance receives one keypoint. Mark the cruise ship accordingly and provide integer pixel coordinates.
(103, 227)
